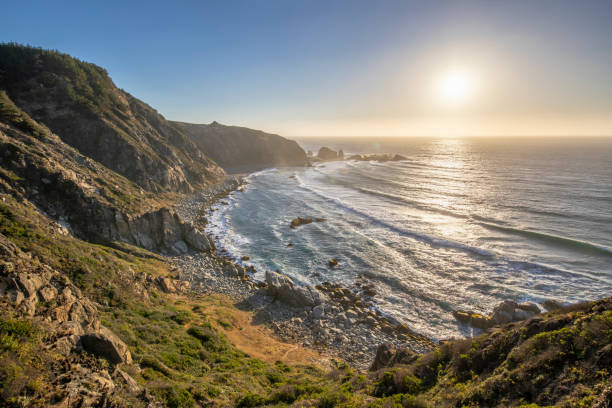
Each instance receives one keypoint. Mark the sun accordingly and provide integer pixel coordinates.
(455, 87)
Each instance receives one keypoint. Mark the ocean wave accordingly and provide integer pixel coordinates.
(583, 246)
(436, 242)
(261, 173)
(413, 203)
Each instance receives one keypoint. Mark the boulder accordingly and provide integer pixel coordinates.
(180, 247)
(505, 312)
(197, 239)
(551, 305)
(166, 284)
(131, 384)
(529, 307)
(462, 316)
(104, 343)
(283, 288)
(29, 283)
(318, 312)
(388, 356)
(325, 153)
(47, 294)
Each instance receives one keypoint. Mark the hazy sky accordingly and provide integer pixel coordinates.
(317, 68)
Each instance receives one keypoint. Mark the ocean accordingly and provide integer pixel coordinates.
(461, 224)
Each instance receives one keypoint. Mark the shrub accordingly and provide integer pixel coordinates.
(250, 400)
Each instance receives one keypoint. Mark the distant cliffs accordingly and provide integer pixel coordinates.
(240, 149)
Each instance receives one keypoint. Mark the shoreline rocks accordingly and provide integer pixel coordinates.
(506, 312)
(335, 320)
(283, 288)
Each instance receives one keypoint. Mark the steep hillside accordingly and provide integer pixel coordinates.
(92, 313)
(80, 103)
(89, 200)
(238, 148)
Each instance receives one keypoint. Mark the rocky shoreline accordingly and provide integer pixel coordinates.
(336, 321)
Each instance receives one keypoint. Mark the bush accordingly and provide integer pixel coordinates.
(177, 398)
(251, 400)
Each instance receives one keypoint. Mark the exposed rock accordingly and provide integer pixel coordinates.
(552, 305)
(377, 157)
(166, 284)
(506, 312)
(105, 343)
(333, 262)
(29, 283)
(132, 385)
(296, 222)
(529, 307)
(47, 294)
(325, 153)
(317, 312)
(283, 288)
(388, 356)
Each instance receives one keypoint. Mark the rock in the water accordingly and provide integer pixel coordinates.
(105, 343)
(296, 222)
(283, 288)
(325, 153)
(332, 262)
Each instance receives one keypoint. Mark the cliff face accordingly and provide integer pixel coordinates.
(90, 200)
(80, 103)
(240, 149)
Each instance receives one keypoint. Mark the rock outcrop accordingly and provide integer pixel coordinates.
(506, 312)
(85, 197)
(162, 230)
(377, 157)
(325, 153)
(389, 356)
(105, 343)
(283, 288)
(299, 221)
(239, 149)
(36, 290)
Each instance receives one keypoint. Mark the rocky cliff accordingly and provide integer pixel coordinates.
(241, 149)
(86, 198)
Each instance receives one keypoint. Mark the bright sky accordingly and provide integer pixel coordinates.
(347, 68)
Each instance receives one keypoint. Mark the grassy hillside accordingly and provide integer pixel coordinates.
(80, 103)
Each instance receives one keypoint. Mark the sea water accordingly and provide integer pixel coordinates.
(459, 224)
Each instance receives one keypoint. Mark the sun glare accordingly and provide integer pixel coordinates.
(455, 87)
